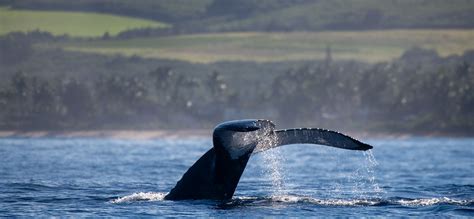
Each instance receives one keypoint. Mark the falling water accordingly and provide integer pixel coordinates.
(273, 169)
(364, 182)
(370, 165)
(273, 160)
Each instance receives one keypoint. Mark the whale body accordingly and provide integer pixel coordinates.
(216, 174)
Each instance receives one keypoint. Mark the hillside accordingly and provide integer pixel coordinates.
(358, 15)
(362, 65)
(161, 10)
(367, 46)
(52, 89)
(277, 15)
(77, 24)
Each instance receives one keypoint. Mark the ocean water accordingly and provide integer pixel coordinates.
(82, 177)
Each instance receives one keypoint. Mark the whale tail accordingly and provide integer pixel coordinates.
(211, 177)
(216, 174)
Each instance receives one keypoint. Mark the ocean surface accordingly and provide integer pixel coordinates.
(91, 177)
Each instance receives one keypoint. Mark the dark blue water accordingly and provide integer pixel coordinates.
(106, 177)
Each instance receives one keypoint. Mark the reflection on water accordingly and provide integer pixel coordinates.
(109, 177)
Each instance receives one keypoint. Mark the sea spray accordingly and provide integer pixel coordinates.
(371, 163)
(360, 181)
(273, 160)
(274, 170)
(140, 196)
(337, 187)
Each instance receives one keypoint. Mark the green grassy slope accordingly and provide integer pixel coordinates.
(370, 46)
(161, 10)
(359, 14)
(71, 23)
(278, 15)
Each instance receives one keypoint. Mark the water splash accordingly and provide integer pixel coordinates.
(432, 201)
(326, 202)
(273, 160)
(362, 181)
(274, 170)
(370, 165)
(140, 196)
(292, 199)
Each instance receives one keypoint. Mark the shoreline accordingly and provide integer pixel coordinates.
(114, 134)
(182, 133)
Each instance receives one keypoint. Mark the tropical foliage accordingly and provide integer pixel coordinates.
(420, 91)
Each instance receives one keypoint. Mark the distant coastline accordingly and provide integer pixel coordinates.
(182, 133)
(116, 134)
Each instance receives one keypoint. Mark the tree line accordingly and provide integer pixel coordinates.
(59, 90)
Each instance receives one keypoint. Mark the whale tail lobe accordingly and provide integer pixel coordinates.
(313, 136)
(216, 174)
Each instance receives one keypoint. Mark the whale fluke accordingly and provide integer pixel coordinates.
(313, 136)
(216, 174)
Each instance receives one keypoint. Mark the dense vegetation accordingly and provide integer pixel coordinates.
(295, 77)
(55, 89)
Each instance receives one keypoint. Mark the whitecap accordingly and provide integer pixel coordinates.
(432, 201)
(141, 196)
(292, 199)
(328, 202)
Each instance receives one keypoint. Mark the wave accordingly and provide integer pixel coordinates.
(372, 202)
(288, 199)
(293, 199)
(141, 196)
(433, 201)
